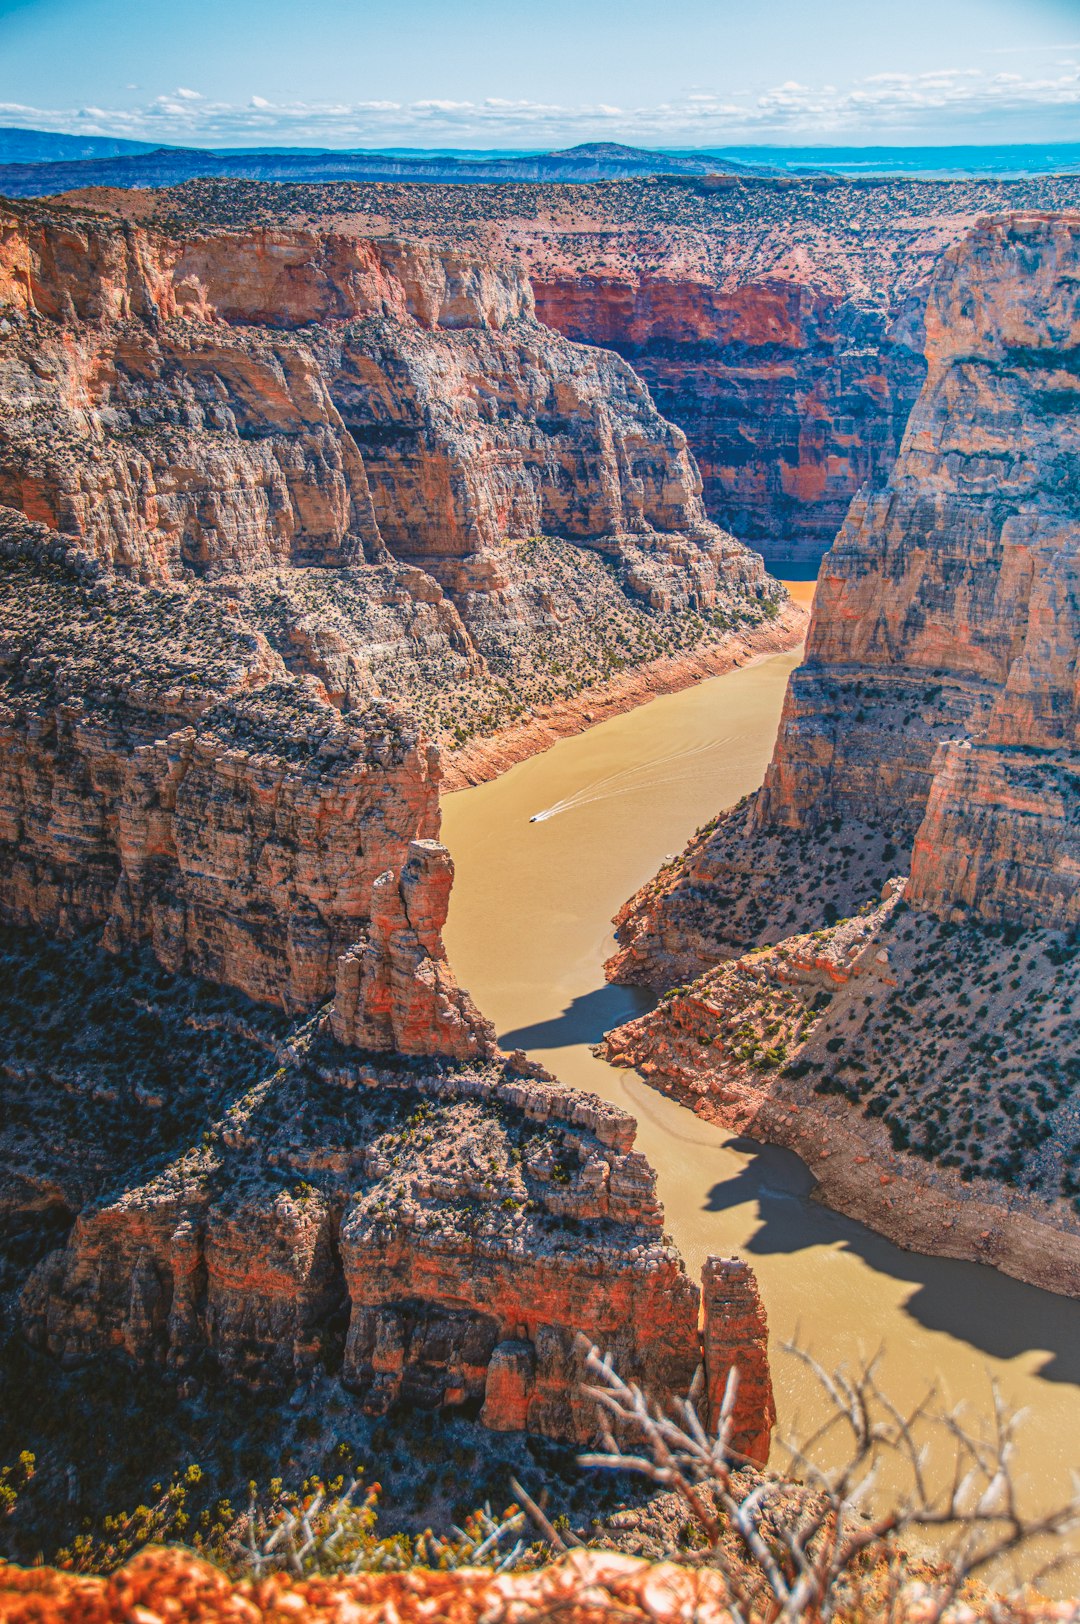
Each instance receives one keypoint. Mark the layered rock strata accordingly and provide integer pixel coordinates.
(241, 1190)
(361, 444)
(792, 396)
(204, 439)
(779, 323)
(164, 780)
(935, 712)
(933, 726)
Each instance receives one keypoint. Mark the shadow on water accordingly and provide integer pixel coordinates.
(584, 1021)
(969, 1301)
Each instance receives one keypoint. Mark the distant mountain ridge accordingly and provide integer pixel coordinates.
(23, 146)
(171, 166)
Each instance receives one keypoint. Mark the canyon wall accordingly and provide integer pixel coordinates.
(164, 780)
(933, 728)
(777, 322)
(934, 718)
(372, 447)
(236, 401)
(792, 396)
(436, 1235)
(263, 491)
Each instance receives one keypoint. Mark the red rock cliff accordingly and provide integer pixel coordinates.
(253, 409)
(945, 612)
(791, 395)
(164, 780)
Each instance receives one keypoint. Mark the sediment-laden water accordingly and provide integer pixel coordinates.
(545, 855)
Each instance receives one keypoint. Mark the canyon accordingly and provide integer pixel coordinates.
(778, 321)
(927, 757)
(306, 519)
(280, 513)
(394, 472)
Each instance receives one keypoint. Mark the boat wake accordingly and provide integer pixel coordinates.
(632, 780)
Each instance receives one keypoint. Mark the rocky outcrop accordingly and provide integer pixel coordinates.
(923, 1070)
(736, 1339)
(250, 1196)
(933, 725)
(164, 780)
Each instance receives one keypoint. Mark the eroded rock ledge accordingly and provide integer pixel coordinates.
(219, 1182)
(933, 726)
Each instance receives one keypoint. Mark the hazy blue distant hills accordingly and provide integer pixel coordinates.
(1000, 161)
(35, 163)
(18, 146)
(170, 166)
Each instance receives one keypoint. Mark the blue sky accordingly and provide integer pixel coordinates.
(502, 73)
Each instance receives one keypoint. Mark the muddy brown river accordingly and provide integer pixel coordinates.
(528, 932)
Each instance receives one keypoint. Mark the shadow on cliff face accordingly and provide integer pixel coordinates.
(584, 1020)
(1001, 1317)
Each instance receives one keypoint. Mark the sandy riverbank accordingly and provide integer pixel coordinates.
(483, 759)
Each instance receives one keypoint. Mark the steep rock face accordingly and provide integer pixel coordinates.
(472, 438)
(179, 450)
(317, 424)
(934, 725)
(944, 613)
(791, 396)
(778, 322)
(164, 781)
(84, 267)
(195, 435)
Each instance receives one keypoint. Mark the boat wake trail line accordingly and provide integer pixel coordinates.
(629, 780)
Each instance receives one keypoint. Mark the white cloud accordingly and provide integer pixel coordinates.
(954, 103)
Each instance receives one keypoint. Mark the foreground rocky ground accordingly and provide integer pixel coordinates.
(933, 727)
(586, 1587)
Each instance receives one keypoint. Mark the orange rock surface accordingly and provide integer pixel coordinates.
(584, 1587)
